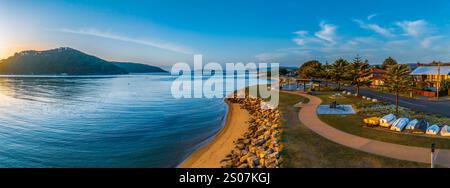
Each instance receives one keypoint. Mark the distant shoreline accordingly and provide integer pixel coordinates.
(210, 155)
(76, 75)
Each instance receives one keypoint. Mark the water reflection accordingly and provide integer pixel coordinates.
(46, 89)
(121, 121)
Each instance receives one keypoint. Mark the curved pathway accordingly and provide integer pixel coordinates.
(310, 119)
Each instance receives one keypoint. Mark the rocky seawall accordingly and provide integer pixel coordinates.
(260, 146)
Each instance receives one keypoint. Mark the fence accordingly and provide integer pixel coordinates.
(430, 93)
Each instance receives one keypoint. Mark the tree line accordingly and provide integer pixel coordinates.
(396, 77)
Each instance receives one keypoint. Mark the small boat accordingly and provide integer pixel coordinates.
(445, 131)
(387, 120)
(372, 121)
(433, 130)
(399, 124)
(421, 127)
(412, 124)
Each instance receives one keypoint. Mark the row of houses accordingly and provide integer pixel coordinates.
(430, 76)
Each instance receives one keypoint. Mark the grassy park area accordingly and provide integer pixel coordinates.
(354, 124)
(306, 149)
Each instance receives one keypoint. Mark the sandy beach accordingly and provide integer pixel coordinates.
(210, 155)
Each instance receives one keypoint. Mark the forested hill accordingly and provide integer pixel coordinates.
(67, 61)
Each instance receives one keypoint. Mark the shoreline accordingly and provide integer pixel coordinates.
(211, 154)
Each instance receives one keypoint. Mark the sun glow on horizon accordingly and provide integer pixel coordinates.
(7, 49)
(4, 52)
(2, 45)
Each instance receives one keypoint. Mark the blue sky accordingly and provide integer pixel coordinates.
(286, 31)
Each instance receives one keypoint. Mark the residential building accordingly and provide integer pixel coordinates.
(431, 76)
(376, 76)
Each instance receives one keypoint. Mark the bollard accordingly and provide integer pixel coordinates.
(433, 147)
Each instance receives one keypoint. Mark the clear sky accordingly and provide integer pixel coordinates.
(285, 31)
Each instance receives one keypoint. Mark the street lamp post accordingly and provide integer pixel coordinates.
(439, 80)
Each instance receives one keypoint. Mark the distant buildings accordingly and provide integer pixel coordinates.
(426, 79)
(377, 77)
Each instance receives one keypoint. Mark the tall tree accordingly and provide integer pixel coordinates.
(398, 80)
(283, 71)
(326, 73)
(358, 71)
(388, 62)
(445, 84)
(310, 69)
(338, 71)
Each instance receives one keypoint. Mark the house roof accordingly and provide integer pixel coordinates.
(445, 70)
(373, 70)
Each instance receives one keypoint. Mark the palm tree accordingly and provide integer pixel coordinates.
(326, 73)
(338, 71)
(398, 80)
(357, 72)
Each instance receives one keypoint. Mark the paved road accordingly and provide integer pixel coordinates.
(436, 107)
(309, 118)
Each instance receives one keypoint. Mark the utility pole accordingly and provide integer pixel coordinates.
(439, 81)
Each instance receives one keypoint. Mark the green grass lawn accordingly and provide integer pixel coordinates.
(341, 100)
(354, 124)
(306, 149)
